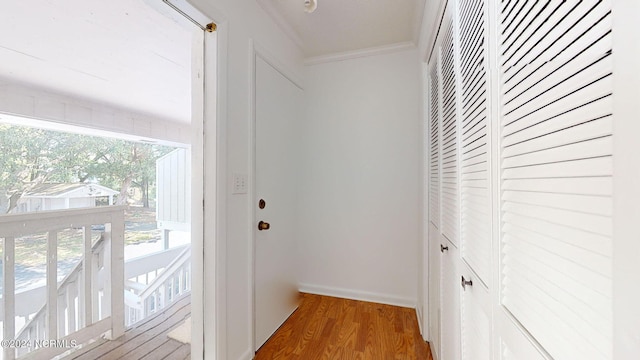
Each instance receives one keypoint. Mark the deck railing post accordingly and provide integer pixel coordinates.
(115, 262)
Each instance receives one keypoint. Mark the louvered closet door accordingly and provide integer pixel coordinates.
(476, 205)
(475, 209)
(450, 302)
(434, 207)
(434, 144)
(449, 134)
(556, 169)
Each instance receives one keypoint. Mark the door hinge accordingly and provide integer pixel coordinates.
(211, 27)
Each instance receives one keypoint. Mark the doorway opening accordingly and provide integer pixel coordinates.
(136, 89)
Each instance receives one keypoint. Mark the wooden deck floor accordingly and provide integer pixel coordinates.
(146, 340)
(332, 328)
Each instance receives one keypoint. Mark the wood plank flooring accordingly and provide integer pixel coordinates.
(332, 328)
(145, 340)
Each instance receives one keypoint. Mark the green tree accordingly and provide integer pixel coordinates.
(124, 164)
(29, 157)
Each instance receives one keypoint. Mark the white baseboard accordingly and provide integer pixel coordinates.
(248, 355)
(358, 295)
(434, 354)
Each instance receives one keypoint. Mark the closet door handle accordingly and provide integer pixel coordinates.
(443, 248)
(465, 283)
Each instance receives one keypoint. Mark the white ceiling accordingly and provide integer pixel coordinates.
(125, 54)
(118, 52)
(339, 26)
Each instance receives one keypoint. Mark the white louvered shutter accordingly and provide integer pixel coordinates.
(450, 274)
(434, 147)
(475, 210)
(449, 137)
(475, 191)
(556, 173)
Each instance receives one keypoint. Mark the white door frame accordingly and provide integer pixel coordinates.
(209, 297)
(626, 169)
(213, 293)
(212, 299)
(209, 169)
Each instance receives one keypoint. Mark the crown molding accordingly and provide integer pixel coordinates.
(348, 55)
(276, 16)
(417, 21)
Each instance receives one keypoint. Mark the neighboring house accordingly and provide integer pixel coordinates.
(64, 196)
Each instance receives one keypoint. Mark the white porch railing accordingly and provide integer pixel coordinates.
(88, 302)
(149, 289)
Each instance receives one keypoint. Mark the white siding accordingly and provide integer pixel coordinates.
(173, 175)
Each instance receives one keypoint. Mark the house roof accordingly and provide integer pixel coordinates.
(61, 189)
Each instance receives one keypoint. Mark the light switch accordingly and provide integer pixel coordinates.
(240, 183)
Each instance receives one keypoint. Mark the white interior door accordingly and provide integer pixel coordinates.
(277, 105)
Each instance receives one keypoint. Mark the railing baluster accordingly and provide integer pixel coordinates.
(189, 276)
(52, 285)
(186, 276)
(106, 270)
(62, 304)
(167, 294)
(86, 297)
(41, 328)
(94, 288)
(179, 282)
(147, 306)
(72, 293)
(31, 337)
(9, 295)
(175, 279)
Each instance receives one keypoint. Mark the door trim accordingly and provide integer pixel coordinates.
(210, 176)
(215, 195)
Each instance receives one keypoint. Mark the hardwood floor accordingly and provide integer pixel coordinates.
(332, 328)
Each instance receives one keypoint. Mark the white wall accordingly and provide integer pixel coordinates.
(360, 201)
(241, 21)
